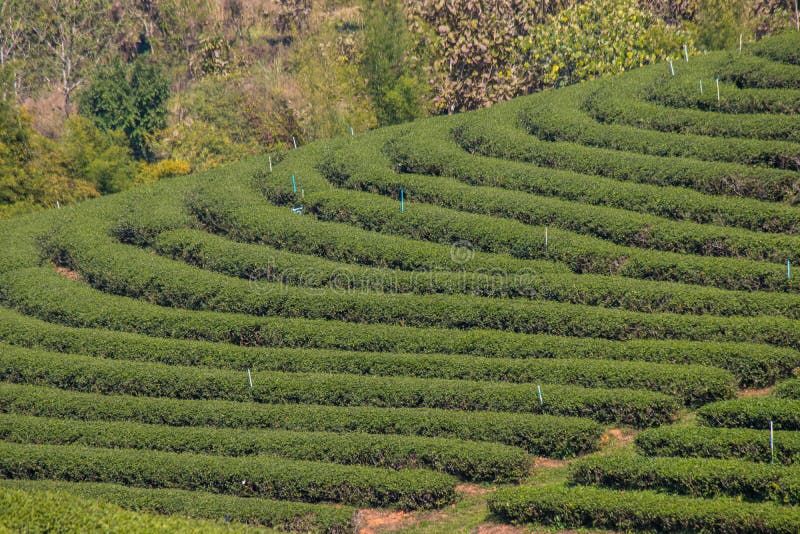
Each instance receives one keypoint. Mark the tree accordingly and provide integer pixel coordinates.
(396, 90)
(131, 98)
(76, 33)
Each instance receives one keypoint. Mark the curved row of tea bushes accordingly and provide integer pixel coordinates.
(495, 135)
(584, 254)
(695, 477)
(756, 412)
(758, 72)
(788, 389)
(258, 263)
(90, 374)
(262, 476)
(43, 294)
(37, 510)
(230, 209)
(560, 118)
(348, 169)
(784, 48)
(282, 515)
(592, 507)
(129, 271)
(414, 153)
(466, 459)
(542, 435)
(616, 104)
(693, 383)
(683, 92)
(724, 443)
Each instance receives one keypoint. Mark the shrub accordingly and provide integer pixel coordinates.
(263, 476)
(281, 515)
(540, 434)
(592, 507)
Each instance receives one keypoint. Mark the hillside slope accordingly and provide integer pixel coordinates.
(377, 319)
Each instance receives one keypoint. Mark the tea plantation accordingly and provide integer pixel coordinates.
(380, 321)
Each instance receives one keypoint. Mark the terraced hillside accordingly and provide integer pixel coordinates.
(387, 320)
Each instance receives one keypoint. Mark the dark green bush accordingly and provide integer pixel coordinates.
(540, 434)
(466, 459)
(262, 476)
(582, 506)
(730, 443)
(696, 477)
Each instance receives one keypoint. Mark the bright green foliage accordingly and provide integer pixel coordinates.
(589, 40)
(281, 515)
(45, 510)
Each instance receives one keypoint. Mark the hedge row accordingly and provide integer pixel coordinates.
(789, 389)
(262, 476)
(616, 105)
(415, 153)
(129, 271)
(495, 135)
(584, 254)
(701, 442)
(755, 412)
(754, 71)
(541, 435)
(784, 48)
(695, 477)
(681, 92)
(232, 210)
(690, 382)
(89, 374)
(281, 515)
(465, 459)
(43, 294)
(560, 118)
(586, 506)
(262, 263)
(352, 169)
(258, 263)
(59, 511)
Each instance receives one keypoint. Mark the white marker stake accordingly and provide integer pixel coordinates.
(671, 68)
(771, 444)
(294, 142)
(717, 89)
(250, 378)
(545, 240)
(58, 204)
(686, 52)
(352, 133)
(541, 400)
(269, 158)
(740, 43)
(701, 87)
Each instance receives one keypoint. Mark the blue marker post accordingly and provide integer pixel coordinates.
(294, 185)
(771, 444)
(788, 270)
(402, 202)
(539, 389)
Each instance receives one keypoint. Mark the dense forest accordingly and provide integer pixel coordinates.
(99, 95)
